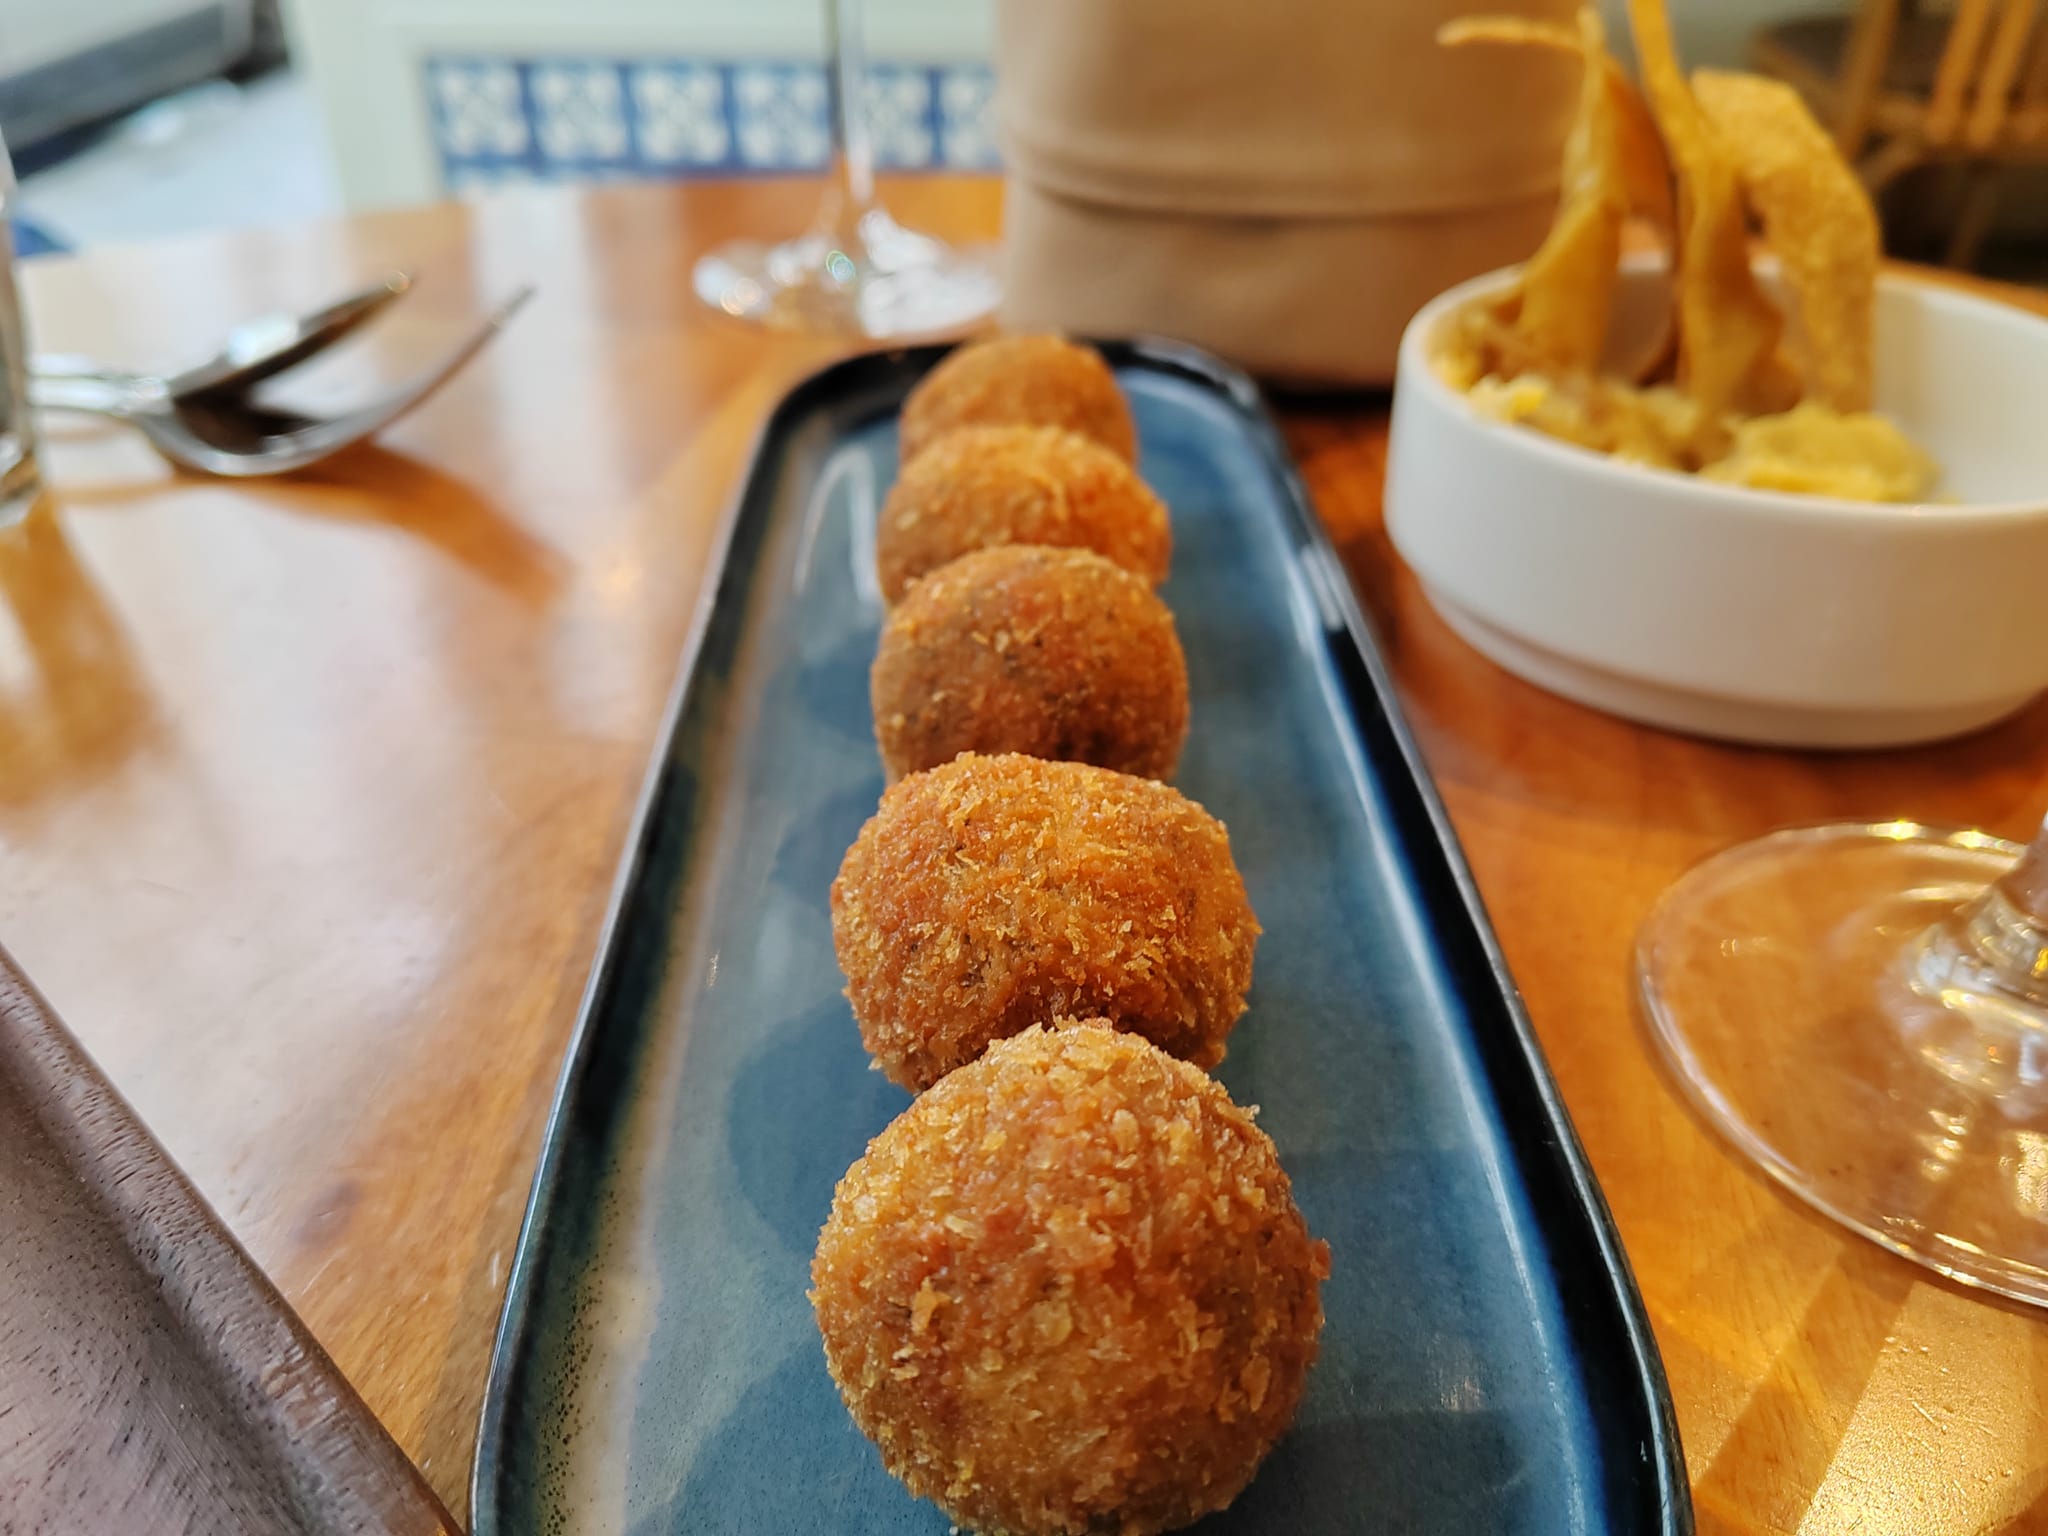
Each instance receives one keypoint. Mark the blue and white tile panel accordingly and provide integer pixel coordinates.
(504, 120)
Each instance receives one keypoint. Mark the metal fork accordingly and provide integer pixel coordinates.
(253, 351)
(227, 434)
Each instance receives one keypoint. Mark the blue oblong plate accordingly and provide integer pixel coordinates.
(1485, 1366)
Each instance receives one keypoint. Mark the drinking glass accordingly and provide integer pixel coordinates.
(19, 478)
(857, 272)
(1863, 1010)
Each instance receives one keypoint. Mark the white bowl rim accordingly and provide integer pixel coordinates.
(1417, 371)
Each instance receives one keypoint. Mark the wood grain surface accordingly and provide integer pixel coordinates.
(312, 793)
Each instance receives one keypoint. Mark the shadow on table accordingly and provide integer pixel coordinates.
(1565, 760)
(439, 509)
(372, 484)
(82, 706)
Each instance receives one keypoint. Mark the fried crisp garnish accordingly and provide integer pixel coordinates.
(1816, 216)
(1524, 31)
(1728, 330)
(1568, 285)
(1628, 129)
(1555, 318)
(1537, 351)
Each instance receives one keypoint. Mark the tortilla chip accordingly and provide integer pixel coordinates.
(1816, 216)
(1728, 330)
(1534, 355)
(1555, 319)
(1523, 30)
(1645, 170)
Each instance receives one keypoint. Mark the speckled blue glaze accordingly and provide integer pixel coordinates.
(1484, 1366)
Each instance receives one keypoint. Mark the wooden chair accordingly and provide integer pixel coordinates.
(1901, 88)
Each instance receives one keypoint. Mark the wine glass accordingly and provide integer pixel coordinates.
(857, 272)
(1864, 1011)
(20, 480)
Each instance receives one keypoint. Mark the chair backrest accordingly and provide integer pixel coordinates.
(2029, 120)
(1991, 45)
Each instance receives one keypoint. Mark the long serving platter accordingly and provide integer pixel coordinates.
(1486, 1365)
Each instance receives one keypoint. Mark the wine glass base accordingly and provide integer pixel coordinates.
(1799, 989)
(882, 283)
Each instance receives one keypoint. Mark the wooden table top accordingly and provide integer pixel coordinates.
(312, 792)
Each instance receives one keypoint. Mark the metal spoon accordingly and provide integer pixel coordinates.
(254, 350)
(235, 437)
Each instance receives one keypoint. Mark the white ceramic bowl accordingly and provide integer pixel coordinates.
(1751, 615)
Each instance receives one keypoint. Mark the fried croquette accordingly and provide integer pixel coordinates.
(1025, 381)
(1051, 652)
(1069, 1290)
(985, 486)
(993, 893)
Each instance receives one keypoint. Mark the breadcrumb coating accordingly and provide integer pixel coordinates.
(984, 486)
(1068, 1290)
(993, 893)
(1030, 381)
(1051, 652)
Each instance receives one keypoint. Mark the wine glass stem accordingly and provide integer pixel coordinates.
(1996, 947)
(853, 159)
(2027, 886)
